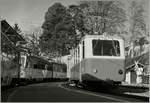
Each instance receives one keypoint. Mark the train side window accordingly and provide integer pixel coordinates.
(27, 63)
(83, 47)
(74, 57)
(50, 67)
(35, 66)
(64, 68)
(54, 67)
(22, 61)
(38, 66)
(78, 54)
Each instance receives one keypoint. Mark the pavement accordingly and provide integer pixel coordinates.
(144, 94)
(55, 92)
(136, 85)
(136, 89)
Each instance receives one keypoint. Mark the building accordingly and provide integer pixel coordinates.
(137, 59)
(10, 52)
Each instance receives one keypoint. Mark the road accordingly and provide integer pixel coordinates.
(55, 92)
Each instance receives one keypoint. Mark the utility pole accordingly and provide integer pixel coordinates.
(0, 43)
(0, 33)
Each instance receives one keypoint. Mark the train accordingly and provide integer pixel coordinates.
(35, 69)
(9, 71)
(98, 59)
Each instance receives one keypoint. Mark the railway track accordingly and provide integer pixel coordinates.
(119, 90)
(72, 89)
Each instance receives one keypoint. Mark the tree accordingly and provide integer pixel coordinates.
(77, 14)
(17, 28)
(56, 19)
(7, 44)
(137, 27)
(62, 24)
(33, 44)
(57, 29)
(33, 40)
(104, 16)
(136, 19)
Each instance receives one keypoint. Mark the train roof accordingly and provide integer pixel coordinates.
(102, 36)
(39, 59)
(42, 60)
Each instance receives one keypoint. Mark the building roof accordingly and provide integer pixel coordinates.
(143, 60)
(7, 30)
(131, 67)
(10, 38)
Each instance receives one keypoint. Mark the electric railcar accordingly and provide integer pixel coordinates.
(98, 58)
(35, 68)
(9, 71)
(32, 69)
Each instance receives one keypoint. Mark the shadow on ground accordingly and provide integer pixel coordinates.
(116, 90)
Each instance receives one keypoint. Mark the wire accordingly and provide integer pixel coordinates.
(26, 22)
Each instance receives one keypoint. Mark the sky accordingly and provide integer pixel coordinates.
(27, 13)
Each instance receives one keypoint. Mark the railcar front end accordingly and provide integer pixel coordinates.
(103, 69)
(98, 59)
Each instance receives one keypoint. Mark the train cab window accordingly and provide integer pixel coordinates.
(106, 48)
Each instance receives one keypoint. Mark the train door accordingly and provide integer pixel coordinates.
(80, 58)
(45, 71)
(23, 61)
(133, 77)
(83, 49)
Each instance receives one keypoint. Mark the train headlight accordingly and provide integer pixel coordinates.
(120, 71)
(95, 71)
(22, 74)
